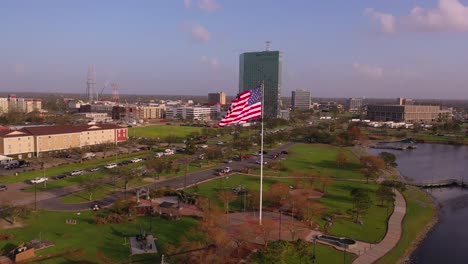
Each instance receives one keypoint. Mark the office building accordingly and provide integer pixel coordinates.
(191, 113)
(131, 113)
(217, 98)
(300, 100)
(266, 66)
(407, 113)
(354, 104)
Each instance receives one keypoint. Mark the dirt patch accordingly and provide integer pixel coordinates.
(7, 225)
(311, 194)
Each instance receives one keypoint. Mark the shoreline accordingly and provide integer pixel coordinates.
(427, 228)
(423, 234)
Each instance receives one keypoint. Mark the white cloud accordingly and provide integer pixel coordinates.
(209, 61)
(200, 33)
(371, 71)
(204, 5)
(447, 16)
(386, 21)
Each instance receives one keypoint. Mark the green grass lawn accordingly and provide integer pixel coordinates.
(338, 201)
(93, 239)
(209, 189)
(83, 196)
(419, 212)
(50, 172)
(317, 159)
(162, 131)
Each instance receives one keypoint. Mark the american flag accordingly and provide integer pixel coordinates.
(247, 106)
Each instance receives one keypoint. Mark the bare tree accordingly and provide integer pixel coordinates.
(227, 196)
(90, 185)
(13, 212)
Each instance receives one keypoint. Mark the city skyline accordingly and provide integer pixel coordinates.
(331, 48)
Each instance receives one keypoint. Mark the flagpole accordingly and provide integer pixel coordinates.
(261, 157)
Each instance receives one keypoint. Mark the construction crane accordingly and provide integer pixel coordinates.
(98, 96)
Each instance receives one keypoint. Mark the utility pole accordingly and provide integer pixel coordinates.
(35, 197)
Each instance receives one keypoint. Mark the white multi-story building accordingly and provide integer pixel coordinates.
(191, 113)
(24, 105)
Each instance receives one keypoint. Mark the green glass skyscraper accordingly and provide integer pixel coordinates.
(255, 67)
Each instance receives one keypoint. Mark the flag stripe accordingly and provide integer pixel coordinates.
(247, 106)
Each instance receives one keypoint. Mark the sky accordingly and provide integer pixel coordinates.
(334, 48)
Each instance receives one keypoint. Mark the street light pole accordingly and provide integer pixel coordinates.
(35, 197)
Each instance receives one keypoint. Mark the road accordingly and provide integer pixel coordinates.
(50, 200)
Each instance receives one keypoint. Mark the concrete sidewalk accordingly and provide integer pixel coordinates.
(392, 237)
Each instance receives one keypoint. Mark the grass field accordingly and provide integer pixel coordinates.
(318, 159)
(93, 240)
(162, 131)
(419, 212)
(338, 201)
(210, 188)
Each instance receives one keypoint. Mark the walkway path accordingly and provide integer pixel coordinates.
(392, 237)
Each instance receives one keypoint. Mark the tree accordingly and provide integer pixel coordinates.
(309, 209)
(389, 159)
(13, 212)
(227, 196)
(157, 165)
(265, 229)
(325, 182)
(277, 192)
(122, 206)
(128, 175)
(385, 194)
(354, 132)
(90, 185)
(361, 202)
(253, 201)
(106, 148)
(371, 166)
(341, 158)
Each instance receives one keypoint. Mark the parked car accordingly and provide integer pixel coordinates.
(125, 162)
(110, 165)
(89, 155)
(228, 161)
(158, 155)
(76, 172)
(39, 180)
(259, 162)
(284, 152)
(136, 160)
(58, 177)
(3, 188)
(95, 169)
